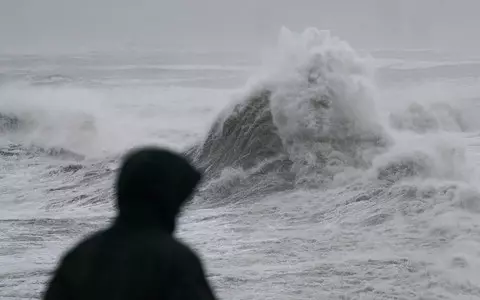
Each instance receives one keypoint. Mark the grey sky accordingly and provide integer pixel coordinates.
(77, 25)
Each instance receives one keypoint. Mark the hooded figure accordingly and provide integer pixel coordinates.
(137, 257)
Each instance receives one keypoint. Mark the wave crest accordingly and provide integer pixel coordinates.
(432, 118)
(311, 114)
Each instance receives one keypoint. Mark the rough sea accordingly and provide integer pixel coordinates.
(330, 172)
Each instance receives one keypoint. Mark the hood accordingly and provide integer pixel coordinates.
(152, 185)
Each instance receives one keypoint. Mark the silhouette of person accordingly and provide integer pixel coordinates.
(137, 257)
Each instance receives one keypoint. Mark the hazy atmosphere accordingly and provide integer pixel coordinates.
(67, 25)
(339, 143)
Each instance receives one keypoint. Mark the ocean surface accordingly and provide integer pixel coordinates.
(330, 172)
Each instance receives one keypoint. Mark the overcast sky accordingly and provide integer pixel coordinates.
(79, 25)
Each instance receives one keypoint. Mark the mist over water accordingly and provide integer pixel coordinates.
(57, 26)
(339, 163)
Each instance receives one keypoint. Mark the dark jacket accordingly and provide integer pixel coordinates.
(137, 257)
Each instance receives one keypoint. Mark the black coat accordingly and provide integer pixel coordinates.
(137, 257)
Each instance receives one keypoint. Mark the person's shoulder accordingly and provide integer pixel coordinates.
(84, 248)
(185, 255)
(181, 248)
(190, 274)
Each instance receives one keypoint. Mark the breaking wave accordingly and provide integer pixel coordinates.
(311, 119)
(312, 114)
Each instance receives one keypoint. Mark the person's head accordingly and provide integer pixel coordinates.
(152, 185)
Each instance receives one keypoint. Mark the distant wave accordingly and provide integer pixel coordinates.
(435, 65)
(179, 67)
(429, 118)
(16, 150)
(52, 79)
(423, 71)
(9, 122)
(27, 127)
